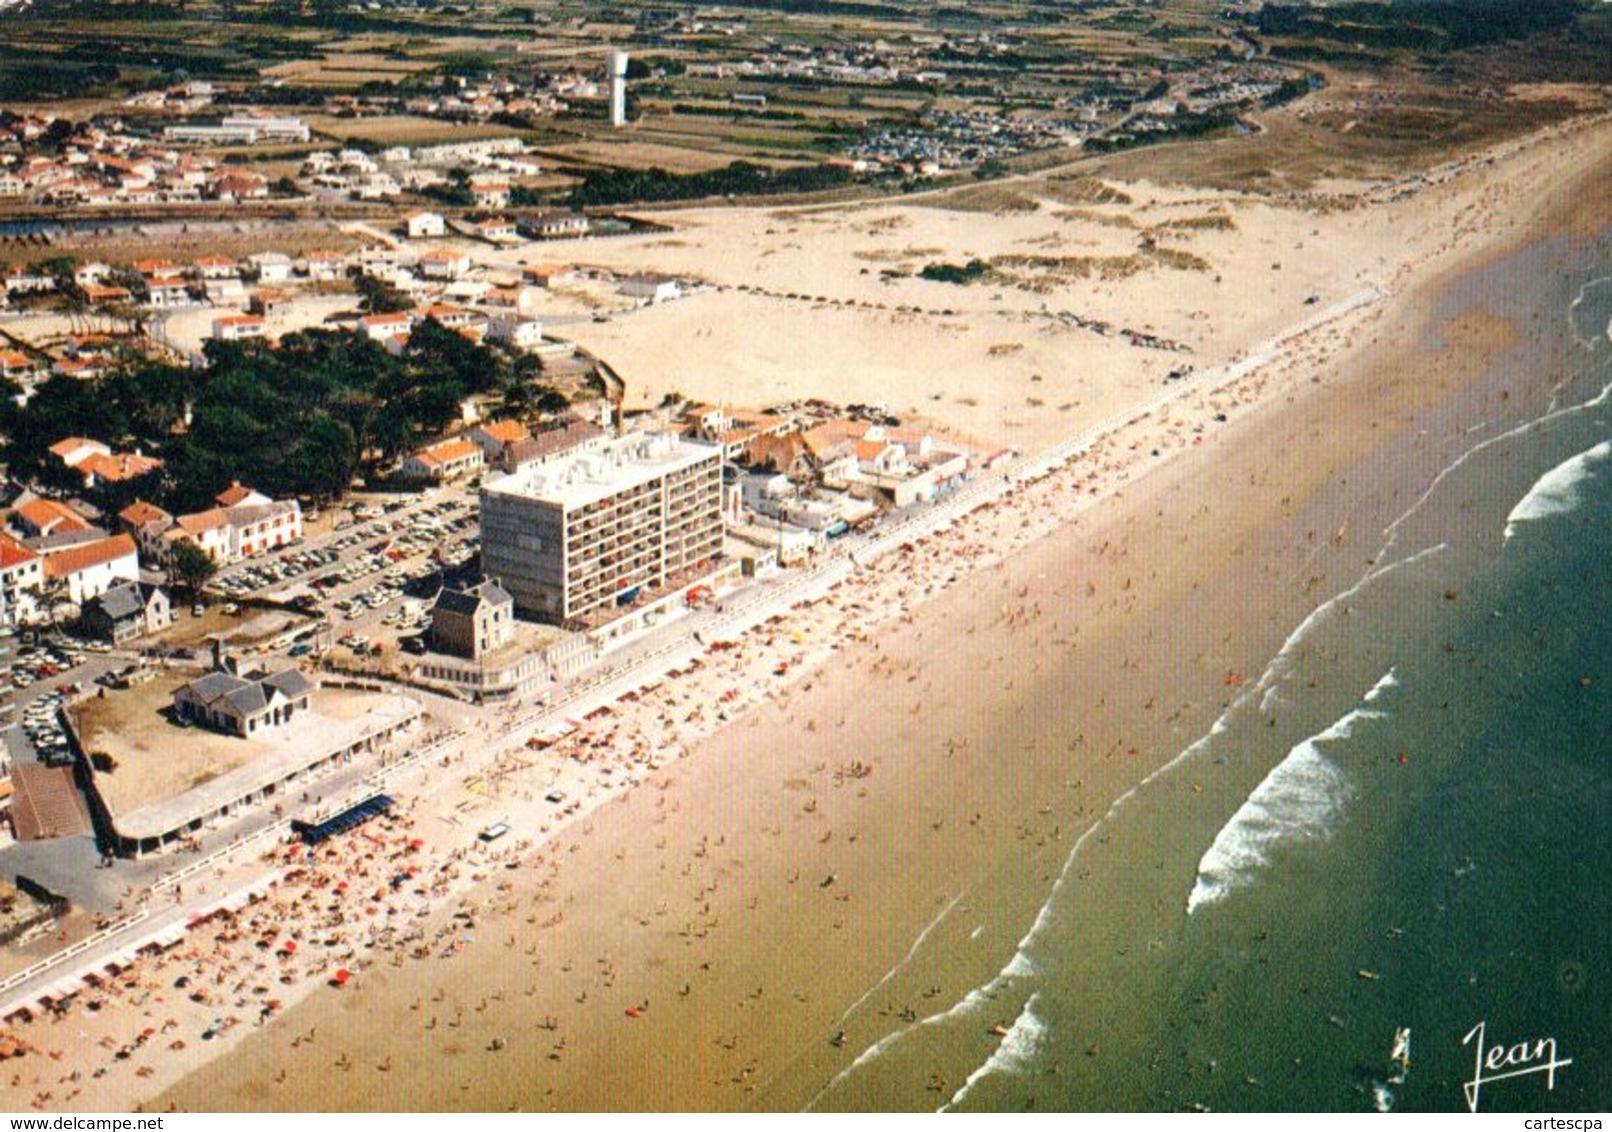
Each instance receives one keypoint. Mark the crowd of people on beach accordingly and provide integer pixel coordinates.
(412, 885)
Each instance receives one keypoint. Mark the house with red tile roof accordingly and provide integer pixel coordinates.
(22, 574)
(551, 274)
(101, 294)
(81, 368)
(494, 437)
(89, 569)
(239, 327)
(118, 467)
(443, 461)
(880, 456)
(322, 264)
(443, 263)
(146, 523)
(454, 318)
(241, 186)
(165, 293)
(562, 436)
(249, 523)
(74, 450)
(209, 529)
(158, 268)
(217, 267)
(41, 518)
(497, 229)
(380, 327)
(237, 493)
(15, 364)
(268, 301)
(99, 464)
(734, 430)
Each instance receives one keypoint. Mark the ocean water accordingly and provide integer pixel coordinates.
(1404, 821)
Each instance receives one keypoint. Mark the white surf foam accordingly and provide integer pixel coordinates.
(1391, 532)
(1299, 800)
(1557, 492)
(1584, 293)
(1021, 965)
(1015, 1055)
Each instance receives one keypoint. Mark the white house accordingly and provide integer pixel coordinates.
(236, 327)
(89, 569)
(551, 275)
(166, 293)
(22, 573)
(556, 225)
(323, 265)
(384, 327)
(208, 529)
(252, 524)
(425, 225)
(272, 267)
(256, 528)
(497, 229)
(521, 333)
(226, 292)
(217, 267)
(650, 289)
(443, 461)
(147, 522)
(91, 274)
(440, 263)
(490, 192)
(494, 437)
(74, 450)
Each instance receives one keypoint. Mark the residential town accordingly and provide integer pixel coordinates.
(419, 575)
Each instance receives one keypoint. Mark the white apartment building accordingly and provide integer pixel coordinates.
(89, 569)
(229, 533)
(22, 575)
(578, 536)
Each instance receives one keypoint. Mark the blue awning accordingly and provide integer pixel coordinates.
(351, 818)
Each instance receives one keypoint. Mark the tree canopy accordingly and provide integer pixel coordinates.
(298, 418)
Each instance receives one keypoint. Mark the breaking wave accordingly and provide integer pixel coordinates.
(1016, 1054)
(1298, 801)
(1557, 491)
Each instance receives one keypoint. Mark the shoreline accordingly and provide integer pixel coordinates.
(616, 833)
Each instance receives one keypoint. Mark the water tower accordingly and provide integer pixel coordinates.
(618, 88)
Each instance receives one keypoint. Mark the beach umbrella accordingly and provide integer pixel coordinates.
(341, 976)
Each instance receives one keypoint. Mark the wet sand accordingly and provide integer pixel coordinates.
(695, 943)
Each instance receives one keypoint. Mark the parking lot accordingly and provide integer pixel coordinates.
(35, 680)
(377, 570)
(374, 544)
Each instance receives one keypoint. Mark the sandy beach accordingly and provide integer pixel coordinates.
(904, 764)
